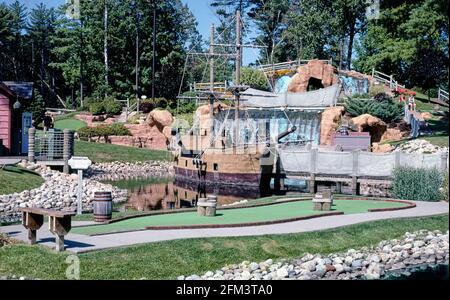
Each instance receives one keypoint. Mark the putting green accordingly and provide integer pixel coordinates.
(266, 213)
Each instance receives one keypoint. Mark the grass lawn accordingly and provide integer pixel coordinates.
(16, 180)
(72, 124)
(422, 103)
(98, 152)
(236, 216)
(167, 260)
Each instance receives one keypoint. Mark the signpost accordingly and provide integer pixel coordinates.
(80, 164)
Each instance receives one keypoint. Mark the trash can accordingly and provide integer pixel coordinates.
(102, 206)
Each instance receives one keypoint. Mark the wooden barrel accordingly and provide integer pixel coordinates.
(102, 206)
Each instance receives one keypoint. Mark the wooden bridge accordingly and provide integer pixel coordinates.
(352, 168)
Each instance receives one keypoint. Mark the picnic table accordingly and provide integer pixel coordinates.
(59, 222)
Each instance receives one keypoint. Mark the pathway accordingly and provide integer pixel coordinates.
(82, 243)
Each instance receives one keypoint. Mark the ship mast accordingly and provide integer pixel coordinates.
(211, 87)
(238, 77)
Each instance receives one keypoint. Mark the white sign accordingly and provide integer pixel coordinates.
(80, 163)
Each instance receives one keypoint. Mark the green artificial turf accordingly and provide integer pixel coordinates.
(71, 124)
(16, 180)
(236, 216)
(169, 259)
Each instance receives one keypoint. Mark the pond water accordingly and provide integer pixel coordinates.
(159, 194)
(423, 272)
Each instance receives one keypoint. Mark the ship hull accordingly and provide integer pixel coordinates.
(247, 179)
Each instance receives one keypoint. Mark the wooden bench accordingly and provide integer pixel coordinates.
(59, 223)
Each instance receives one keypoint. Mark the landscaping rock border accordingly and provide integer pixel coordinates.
(114, 171)
(413, 249)
(59, 191)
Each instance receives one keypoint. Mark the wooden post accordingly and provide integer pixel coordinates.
(32, 236)
(312, 184)
(355, 185)
(32, 222)
(397, 159)
(59, 241)
(313, 161)
(31, 144)
(338, 187)
(67, 141)
(444, 157)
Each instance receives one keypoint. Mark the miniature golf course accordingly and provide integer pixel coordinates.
(261, 214)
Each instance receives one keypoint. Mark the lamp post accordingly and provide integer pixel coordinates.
(143, 97)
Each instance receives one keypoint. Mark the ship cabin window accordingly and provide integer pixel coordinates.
(186, 162)
(216, 167)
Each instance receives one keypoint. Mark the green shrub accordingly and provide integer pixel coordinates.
(103, 131)
(383, 107)
(147, 106)
(445, 187)
(97, 108)
(118, 129)
(112, 107)
(417, 184)
(254, 78)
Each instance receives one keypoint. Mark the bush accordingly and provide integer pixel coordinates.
(112, 107)
(118, 129)
(97, 108)
(384, 108)
(103, 131)
(147, 106)
(417, 184)
(445, 187)
(254, 78)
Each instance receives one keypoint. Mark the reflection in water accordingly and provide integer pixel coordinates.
(147, 195)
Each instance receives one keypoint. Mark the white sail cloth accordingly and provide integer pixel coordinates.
(319, 98)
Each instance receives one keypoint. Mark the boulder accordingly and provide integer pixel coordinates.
(385, 148)
(314, 69)
(369, 123)
(167, 131)
(330, 122)
(160, 118)
(394, 134)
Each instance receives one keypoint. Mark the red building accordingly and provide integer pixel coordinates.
(14, 122)
(7, 98)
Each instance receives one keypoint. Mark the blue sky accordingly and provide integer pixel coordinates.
(201, 9)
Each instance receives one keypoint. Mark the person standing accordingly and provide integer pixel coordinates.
(48, 122)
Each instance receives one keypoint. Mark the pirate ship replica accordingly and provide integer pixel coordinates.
(236, 144)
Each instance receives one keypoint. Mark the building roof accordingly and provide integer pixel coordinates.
(6, 90)
(23, 90)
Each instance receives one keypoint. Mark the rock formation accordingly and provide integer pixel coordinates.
(155, 133)
(369, 123)
(330, 122)
(314, 69)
